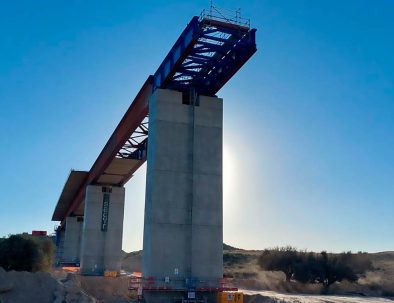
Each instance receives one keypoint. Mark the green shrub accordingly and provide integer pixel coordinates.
(17, 253)
(309, 267)
(283, 259)
(26, 253)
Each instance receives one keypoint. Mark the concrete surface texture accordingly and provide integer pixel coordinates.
(183, 227)
(60, 246)
(102, 229)
(72, 239)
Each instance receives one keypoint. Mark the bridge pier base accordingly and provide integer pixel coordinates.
(72, 240)
(60, 234)
(102, 229)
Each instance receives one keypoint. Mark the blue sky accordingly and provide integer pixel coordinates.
(308, 121)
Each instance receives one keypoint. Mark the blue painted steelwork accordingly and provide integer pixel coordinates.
(205, 56)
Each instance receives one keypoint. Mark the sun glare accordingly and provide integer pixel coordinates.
(229, 179)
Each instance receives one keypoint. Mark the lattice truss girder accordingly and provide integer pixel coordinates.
(136, 146)
(216, 50)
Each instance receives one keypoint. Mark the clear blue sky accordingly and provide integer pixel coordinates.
(308, 125)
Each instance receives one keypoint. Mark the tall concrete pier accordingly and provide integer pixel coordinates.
(102, 229)
(183, 227)
(60, 235)
(72, 240)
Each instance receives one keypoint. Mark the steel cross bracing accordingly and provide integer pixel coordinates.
(136, 146)
(206, 55)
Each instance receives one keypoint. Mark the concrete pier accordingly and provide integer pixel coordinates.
(72, 240)
(60, 235)
(102, 229)
(183, 227)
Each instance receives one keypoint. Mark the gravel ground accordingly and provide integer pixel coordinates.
(273, 297)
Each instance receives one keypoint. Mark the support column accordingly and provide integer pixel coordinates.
(183, 227)
(102, 229)
(59, 245)
(72, 240)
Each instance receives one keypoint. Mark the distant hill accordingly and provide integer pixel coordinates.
(228, 247)
(132, 261)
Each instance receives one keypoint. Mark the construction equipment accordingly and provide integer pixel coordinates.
(230, 297)
(111, 274)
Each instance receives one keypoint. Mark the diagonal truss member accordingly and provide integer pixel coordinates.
(136, 146)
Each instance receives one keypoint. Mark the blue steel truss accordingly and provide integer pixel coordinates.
(205, 56)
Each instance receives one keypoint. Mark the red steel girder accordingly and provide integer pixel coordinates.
(131, 120)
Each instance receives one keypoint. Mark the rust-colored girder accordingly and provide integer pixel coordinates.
(133, 117)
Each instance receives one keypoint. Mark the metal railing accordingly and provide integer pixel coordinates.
(180, 284)
(225, 15)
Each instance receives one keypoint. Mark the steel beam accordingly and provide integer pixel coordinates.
(131, 120)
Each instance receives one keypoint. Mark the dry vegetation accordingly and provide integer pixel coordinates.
(243, 267)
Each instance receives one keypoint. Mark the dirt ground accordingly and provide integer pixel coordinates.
(60, 286)
(274, 297)
(105, 289)
(42, 287)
